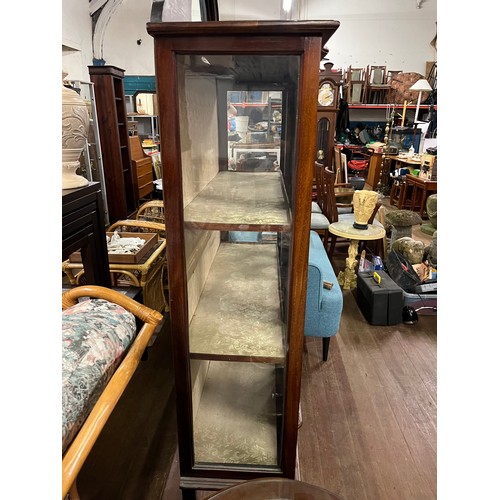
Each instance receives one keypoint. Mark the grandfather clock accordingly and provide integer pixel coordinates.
(328, 107)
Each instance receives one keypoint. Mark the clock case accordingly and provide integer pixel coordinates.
(327, 116)
(237, 308)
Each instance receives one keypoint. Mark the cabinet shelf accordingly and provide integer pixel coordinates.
(243, 201)
(254, 330)
(236, 421)
(384, 106)
(140, 115)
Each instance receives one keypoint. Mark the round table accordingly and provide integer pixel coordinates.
(274, 488)
(345, 229)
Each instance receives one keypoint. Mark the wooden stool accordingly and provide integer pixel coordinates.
(397, 189)
(421, 189)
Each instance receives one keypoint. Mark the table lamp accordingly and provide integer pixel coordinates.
(421, 85)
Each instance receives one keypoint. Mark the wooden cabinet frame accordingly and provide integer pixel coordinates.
(302, 41)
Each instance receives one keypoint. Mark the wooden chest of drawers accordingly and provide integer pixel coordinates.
(144, 170)
(142, 165)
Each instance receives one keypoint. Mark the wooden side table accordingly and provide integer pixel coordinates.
(421, 189)
(345, 229)
(83, 229)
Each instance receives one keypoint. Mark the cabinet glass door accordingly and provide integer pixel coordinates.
(237, 226)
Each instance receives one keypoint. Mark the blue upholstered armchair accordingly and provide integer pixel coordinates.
(323, 304)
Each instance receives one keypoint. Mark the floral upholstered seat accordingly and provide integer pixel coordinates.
(95, 337)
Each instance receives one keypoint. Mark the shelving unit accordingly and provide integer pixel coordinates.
(377, 112)
(147, 125)
(239, 305)
(92, 167)
(112, 118)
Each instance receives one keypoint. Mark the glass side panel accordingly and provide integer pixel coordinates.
(238, 412)
(238, 116)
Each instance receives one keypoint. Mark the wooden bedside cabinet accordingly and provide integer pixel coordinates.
(142, 166)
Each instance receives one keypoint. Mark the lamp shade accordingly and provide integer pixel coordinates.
(421, 85)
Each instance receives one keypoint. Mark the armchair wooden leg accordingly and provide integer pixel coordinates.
(326, 345)
(331, 249)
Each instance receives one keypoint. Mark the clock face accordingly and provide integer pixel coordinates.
(325, 95)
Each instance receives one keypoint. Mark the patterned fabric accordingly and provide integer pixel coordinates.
(95, 335)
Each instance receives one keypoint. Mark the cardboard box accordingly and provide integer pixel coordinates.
(151, 239)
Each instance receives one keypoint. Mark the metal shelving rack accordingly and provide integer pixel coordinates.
(92, 165)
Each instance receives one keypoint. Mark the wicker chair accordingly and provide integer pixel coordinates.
(149, 274)
(152, 211)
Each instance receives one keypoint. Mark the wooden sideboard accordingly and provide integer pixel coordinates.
(416, 192)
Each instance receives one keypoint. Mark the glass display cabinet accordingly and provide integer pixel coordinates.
(237, 240)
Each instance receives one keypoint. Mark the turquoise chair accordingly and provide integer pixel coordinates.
(323, 304)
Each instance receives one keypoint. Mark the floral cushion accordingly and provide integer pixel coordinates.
(95, 336)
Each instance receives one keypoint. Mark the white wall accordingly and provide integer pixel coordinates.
(120, 46)
(76, 39)
(390, 32)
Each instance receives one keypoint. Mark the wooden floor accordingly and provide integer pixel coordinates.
(369, 418)
(369, 412)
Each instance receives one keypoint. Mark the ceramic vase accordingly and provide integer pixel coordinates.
(75, 127)
(364, 203)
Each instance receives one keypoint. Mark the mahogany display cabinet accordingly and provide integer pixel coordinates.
(237, 242)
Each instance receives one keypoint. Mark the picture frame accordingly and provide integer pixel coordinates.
(343, 162)
(156, 159)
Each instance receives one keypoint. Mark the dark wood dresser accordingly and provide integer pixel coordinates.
(83, 229)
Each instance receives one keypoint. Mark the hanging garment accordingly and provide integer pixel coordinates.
(342, 124)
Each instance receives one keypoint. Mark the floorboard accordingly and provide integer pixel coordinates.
(378, 419)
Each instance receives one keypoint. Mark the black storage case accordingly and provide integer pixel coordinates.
(381, 304)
